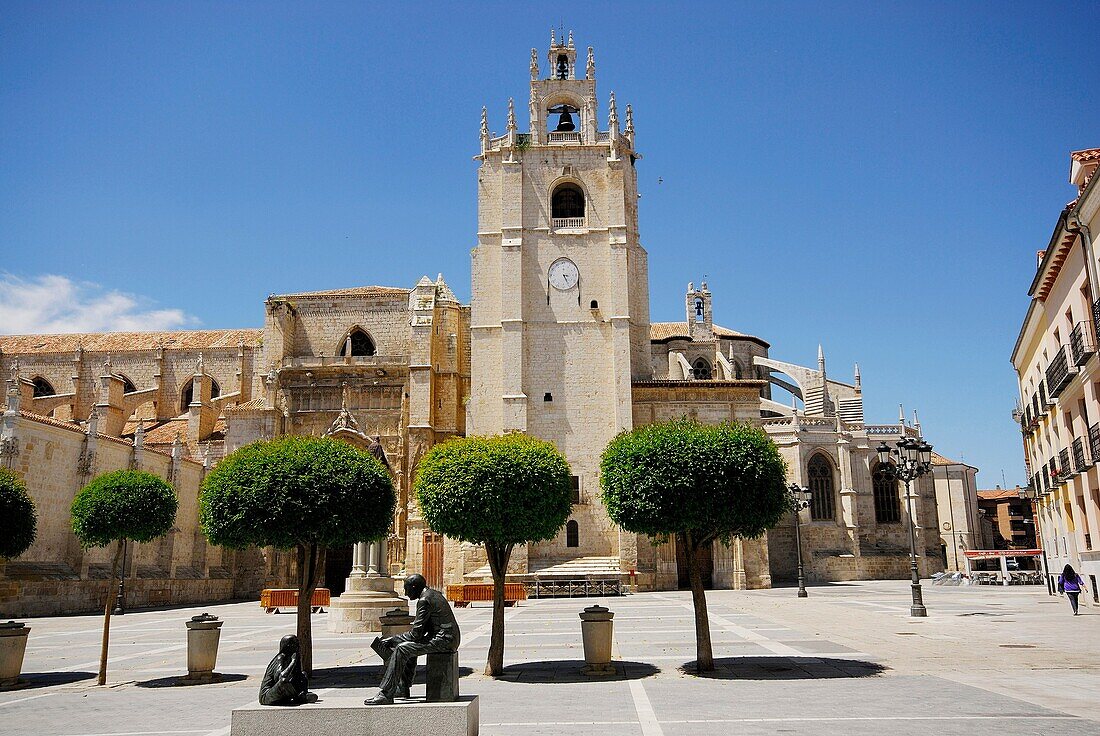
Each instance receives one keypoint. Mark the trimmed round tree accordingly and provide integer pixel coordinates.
(300, 493)
(18, 518)
(696, 483)
(499, 492)
(114, 507)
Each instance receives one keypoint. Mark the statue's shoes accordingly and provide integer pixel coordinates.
(378, 699)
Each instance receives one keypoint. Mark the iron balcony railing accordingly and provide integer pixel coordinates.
(1063, 462)
(1094, 443)
(1058, 373)
(1082, 343)
(1046, 478)
(1079, 455)
(1044, 402)
(1096, 319)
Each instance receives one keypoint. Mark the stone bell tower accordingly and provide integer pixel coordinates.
(560, 305)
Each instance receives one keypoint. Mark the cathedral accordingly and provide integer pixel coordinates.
(557, 342)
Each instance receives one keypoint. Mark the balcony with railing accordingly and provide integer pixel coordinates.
(1059, 373)
(1044, 402)
(556, 136)
(1063, 463)
(1082, 343)
(1079, 463)
(567, 223)
(1094, 443)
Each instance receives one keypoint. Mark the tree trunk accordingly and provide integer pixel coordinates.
(111, 592)
(307, 583)
(704, 657)
(498, 563)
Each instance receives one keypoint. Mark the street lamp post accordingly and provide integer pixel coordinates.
(910, 460)
(800, 496)
(1031, 495)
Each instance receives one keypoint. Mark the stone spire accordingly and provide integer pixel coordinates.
(590, 67)
(630, 123)
(859, 380)
(570, 44)
(916, 424)
(139, 445)
(613, 115)
(511, 115)
(901, 415)
(484, 124)
(820, 359)
(553, 38)
(534, 64)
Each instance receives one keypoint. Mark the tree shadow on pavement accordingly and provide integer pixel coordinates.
(49, 679)
(786, 668)
(362, 675)
(224, 678)
(569, 671)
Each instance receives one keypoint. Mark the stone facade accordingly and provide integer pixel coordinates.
(557, 342)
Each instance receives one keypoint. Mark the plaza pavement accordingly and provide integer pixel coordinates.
(847, 660)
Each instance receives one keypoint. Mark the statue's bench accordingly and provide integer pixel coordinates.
(344, 716)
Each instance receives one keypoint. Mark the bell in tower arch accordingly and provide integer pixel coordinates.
(565, 118)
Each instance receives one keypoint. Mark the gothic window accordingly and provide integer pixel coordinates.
(361, 344)
(701, 369)
(823, 504)
(738, 372)
(572, 534)
(887, 503)
(128, 386)
(42, 387)
(567, 201)
(575, 488)
(188, 394)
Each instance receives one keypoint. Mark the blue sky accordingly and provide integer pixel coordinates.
(875, 177)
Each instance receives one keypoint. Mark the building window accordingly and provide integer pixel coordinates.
(42, 387)
(359, 342)
(567, 202)
(572, 534)
(128, 386)
(188, 394)
(701, 369)
(887, 503)
(575, 488)
(823, 504)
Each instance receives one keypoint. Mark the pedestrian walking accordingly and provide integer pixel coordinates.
(1070, 583)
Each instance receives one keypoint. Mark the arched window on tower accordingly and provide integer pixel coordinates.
(42, 387)
(567, 205)
(572, 534)
(701, 369)
(360, 344)
(885, 488)
(823, 504)
(188, 394)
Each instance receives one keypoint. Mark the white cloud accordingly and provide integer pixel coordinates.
(56, 304)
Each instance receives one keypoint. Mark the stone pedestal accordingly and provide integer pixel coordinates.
(369, 593)
(13, 645)
(343, 716)
(203, 635)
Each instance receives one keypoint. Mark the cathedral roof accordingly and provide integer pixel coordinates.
(122, 341)
(353, 291)
(660, 331)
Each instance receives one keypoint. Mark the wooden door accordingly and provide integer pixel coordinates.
(433, 559)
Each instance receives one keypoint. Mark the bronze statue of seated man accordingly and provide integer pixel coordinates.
(434, 630)
(284, 681)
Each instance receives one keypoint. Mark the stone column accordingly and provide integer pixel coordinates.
(372, 560)
(369, 593)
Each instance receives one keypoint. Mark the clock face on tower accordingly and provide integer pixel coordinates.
(564, 274)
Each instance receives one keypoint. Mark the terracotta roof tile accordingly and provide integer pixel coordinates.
(352, 291)
(669, 330)
(123, 341)
(998, 493)
(1084, 155)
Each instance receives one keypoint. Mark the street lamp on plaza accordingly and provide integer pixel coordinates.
(1031, 495)
(910, 460)
(801, 497)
